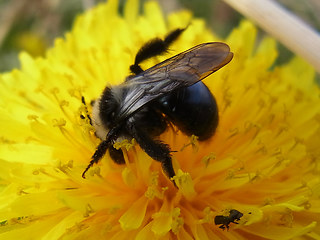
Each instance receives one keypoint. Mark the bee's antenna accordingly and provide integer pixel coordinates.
(86, 109)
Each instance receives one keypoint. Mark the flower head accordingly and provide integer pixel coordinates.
(262, 161)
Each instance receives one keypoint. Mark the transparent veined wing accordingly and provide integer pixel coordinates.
(182, 70)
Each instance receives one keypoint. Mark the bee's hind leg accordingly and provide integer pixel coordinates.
(153, 48)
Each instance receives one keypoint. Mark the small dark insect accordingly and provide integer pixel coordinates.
(149, 101)
(226, 220)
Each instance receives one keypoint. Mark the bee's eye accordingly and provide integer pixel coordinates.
(111, 114)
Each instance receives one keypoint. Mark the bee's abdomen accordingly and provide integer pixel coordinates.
(192, 109)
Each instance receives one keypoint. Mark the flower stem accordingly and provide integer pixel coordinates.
(283, 25)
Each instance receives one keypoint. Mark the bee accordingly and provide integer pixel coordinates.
(148, 101)
(226, 220)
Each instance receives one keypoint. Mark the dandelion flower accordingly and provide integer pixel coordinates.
(262, 162)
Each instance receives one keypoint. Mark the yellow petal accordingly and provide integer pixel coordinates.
(133, 217)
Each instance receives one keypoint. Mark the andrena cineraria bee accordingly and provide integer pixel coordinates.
(170, 92)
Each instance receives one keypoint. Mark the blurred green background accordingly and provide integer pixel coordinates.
(32, 25)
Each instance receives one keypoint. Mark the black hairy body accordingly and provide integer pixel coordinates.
(170, 92)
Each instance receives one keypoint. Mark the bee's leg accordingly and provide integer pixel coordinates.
(153, 48)
(116, 155)
(98, 154)
(156, 149)
(102, 148)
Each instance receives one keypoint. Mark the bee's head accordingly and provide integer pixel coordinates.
(104, 112)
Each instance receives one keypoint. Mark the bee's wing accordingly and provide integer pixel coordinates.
(182, 70)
